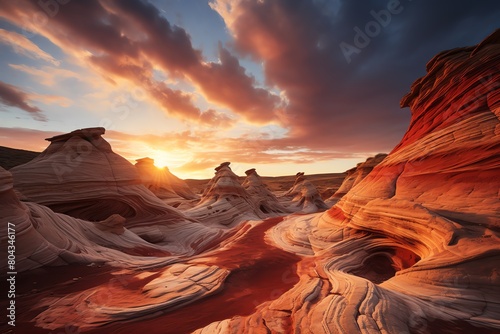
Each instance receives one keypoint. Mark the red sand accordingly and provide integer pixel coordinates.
(34, 285)
(260, 273)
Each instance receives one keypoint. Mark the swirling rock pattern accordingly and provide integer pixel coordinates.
(225, 201)
(79, 175)
(174, 287)
(355, 175)
(44, 237)
(415, 246)
(304, 197)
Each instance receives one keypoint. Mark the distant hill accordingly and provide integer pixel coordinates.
(11, 157)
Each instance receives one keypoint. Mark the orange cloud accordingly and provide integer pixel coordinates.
(127, 39)
(24, 46)
(329, 107)
(47, 75)
(227, 84)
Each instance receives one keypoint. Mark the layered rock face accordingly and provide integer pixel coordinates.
(162, 183)
(79, 175)
(355, 175)
(44, 237)
(225, 201)
(304, 196)
(415, 246)
(265, 199)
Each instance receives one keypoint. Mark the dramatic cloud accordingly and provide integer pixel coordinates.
(15, 97)
(348, 100)
(333, 71)
(226, 83)
(46, 75)
(24, 46)
(127, 39)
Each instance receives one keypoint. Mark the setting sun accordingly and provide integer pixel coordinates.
(162, 159)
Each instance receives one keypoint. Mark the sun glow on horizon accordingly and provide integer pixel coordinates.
(162, 158)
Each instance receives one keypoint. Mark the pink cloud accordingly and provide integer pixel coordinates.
(127, 39)
(27, 139)
(227, 84)
(24, 46)
(329, 108)
(15, 97)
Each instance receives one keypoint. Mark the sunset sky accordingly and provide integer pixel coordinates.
(280, 85)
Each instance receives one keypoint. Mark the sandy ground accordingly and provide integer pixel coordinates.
(260, 273)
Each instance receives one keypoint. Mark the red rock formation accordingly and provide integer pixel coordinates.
(355, 175)
(225, 201)
(414, 247)
(160, 291)
(79, 175)
(43, 237)
(265, 199)
(304, 196)
(162, 182)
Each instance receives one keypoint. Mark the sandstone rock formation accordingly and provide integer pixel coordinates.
(171, 288)
(414, 247)
(225, 201)
(135, 299)
(304, 197)
(43, 237)
(79, 175)
(355, 175)
(262, 196)
(164, 184)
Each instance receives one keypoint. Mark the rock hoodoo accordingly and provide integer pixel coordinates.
(265, 199)
(79, 175)
(304, 196)
(225, 201)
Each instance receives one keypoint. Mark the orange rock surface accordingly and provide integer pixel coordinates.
(355, 175)
(161, 181)
(303, 196)
(414, 247)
